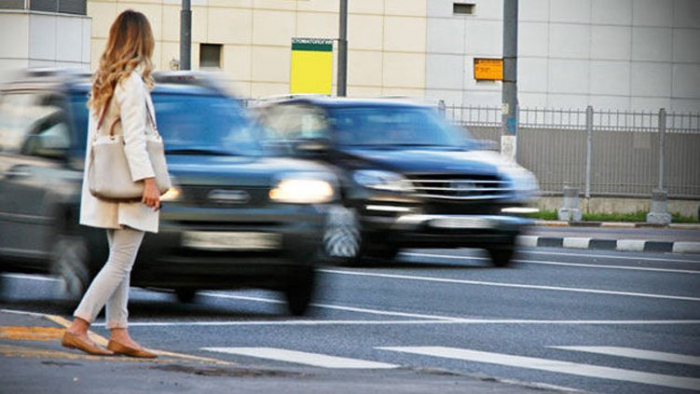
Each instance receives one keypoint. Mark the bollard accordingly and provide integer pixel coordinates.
(570, 212)
(659, 208)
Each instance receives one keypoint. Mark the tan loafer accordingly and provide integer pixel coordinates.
(118, 348)
(73, 341)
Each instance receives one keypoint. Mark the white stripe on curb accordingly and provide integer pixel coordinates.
(576, 242)
(631, 245)
(527, 240)
(686, 247)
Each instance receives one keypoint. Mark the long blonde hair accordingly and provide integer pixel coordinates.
(129, 45)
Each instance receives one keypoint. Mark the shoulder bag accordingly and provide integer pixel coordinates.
(109, 176)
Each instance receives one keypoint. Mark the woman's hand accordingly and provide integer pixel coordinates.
(151, 195)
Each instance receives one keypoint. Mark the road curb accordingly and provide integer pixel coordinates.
(627, 245)
(675, 226)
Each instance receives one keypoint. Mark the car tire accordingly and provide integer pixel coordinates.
(300, 289)
(71, 263)
(501, 256)
(186, 296)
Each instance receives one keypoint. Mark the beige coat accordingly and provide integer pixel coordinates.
(128, 111)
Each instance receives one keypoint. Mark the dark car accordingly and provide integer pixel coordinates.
(408, 178)
(235, 218)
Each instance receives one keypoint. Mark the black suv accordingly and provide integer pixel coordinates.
(408, 178)
(236, 217)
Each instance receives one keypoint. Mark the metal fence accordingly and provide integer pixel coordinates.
(604, 153)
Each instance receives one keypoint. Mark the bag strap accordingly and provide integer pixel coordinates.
(104, 112)
(150, 117)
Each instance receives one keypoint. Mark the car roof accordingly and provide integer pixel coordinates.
(187, 82)
(341, 102)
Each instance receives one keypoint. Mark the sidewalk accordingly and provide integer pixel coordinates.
(632, 237)
(33, 361)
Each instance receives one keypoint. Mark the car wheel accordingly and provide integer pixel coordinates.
(341, 239)
(186, 295)
(501, 257)
(71, 263)
(300, 289)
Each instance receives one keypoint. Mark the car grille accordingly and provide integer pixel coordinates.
(209, 196)
(449, 187)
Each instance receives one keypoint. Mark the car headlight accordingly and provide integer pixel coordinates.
(524, 183)
(382, 180)
(303, 189)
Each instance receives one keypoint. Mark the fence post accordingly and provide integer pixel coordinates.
(662, 146)
(589, 148)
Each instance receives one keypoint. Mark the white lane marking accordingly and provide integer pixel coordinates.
(511, 285)
(613, 267)
(543, 364)
(616, 256)
(634, 353)
(292, 356)
(576, 242)
(338, 307)
(404, 322)
(618, 267)
(40, 278)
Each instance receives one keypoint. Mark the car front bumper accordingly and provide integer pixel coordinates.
(438, 231)
(216, 248)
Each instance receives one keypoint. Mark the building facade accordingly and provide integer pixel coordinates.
(44, 33)
(610, 54)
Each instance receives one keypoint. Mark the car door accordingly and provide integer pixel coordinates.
(36, 138)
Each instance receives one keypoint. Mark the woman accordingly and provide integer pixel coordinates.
(120, 99)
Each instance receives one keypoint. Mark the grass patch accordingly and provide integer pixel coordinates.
(639, 216)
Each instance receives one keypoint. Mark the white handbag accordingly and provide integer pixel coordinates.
(109, 177)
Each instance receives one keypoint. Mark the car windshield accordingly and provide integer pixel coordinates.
(193, 124)
(385, 127)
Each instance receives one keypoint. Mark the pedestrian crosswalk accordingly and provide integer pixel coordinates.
(312, 359)
(508, 360)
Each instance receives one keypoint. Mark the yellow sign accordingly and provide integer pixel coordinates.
(488, 69)
(312, 66)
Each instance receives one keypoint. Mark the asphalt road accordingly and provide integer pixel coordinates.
(606, 322)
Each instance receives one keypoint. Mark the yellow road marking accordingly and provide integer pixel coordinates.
(28, 352)
(31, 333)
(102, 341)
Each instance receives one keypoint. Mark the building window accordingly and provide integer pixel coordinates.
(210, 56)
(463, 8)
(76, 7)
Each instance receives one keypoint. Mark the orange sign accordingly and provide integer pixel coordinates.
(488, 69)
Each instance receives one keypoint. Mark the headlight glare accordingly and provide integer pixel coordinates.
(303, 191)
(173, 194)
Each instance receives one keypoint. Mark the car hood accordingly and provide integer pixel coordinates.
(238, 170)
(428, 161)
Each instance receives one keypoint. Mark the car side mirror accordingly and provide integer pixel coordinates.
(313, 147)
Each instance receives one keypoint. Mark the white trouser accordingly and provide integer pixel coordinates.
(111, 286)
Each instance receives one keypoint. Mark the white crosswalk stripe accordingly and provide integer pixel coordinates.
(292, 356)
(634, 353)
(552, 366)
